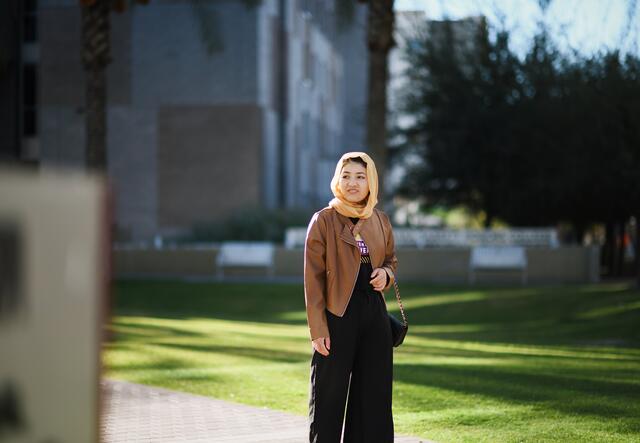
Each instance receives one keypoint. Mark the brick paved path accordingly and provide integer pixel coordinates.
(135, 413)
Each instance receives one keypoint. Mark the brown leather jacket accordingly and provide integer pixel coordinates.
(332, 262)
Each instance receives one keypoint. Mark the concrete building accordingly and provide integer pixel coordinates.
(213, 106)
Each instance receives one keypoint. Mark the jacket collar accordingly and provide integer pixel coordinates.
(349, 230)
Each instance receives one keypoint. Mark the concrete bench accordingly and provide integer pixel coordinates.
(498, 258)
(245, 255)
(295, 238)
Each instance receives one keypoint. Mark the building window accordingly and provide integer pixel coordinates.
(333, 92)
(30, 32)
(29, 76)
(307, 58)
(276, 64)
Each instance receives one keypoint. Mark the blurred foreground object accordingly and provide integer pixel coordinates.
(53, 269)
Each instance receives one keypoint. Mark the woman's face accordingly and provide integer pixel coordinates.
(353, 182)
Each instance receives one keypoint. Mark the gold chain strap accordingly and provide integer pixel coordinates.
(395, 283)
(404, 317)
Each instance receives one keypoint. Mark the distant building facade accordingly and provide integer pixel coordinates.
(213, 106)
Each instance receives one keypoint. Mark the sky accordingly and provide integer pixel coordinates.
(586, 26)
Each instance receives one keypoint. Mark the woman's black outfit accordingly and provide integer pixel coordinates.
(360, 362)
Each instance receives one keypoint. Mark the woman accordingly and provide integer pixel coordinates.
(349, 261)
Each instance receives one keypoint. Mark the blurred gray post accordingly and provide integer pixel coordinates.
(54, 266)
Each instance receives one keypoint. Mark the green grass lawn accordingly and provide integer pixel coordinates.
(479, 364)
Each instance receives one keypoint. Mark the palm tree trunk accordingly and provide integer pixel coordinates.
(96, 57)
(380, 41)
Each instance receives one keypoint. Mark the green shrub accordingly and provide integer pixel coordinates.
(253, 224)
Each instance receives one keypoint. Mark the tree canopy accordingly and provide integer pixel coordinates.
(533, 141)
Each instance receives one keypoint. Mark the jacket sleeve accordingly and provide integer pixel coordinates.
(390, 264)
(315, 277)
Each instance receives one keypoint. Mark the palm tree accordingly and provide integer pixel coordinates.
(95, 58)
(96, 55)
(380, 23)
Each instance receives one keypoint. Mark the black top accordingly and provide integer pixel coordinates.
(364, 275)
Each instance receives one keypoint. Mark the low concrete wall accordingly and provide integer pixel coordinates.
(436, 265)
(564, 265)
(169, 261)
(439, 265)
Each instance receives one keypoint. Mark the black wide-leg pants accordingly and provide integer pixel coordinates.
(360, 362)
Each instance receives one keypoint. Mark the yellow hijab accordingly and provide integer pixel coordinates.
(341, 204)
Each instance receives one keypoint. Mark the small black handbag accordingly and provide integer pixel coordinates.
(398, 328)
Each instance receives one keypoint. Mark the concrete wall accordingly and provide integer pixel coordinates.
(209, 162)
(151, 262)
(436, 265)
(568, 264)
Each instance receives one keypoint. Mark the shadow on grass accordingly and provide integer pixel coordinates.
(131, 335)
(482, 350)
(163, 364)
(530, 315)
(224, 301)
(131, 330)
(136, 329)
(273, 355)
(565, 394)
(572, 315)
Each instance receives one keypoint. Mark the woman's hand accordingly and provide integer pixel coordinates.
(322, 345)
(378, 279)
